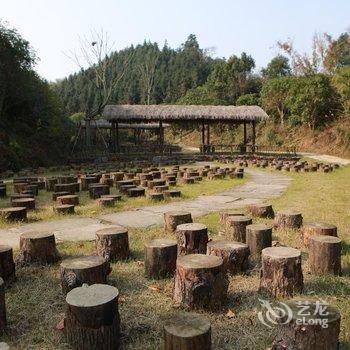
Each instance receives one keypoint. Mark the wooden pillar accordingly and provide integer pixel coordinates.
(114, 146)
(254, 135)
(117, 136)
(203, 133)
(208, 134)
(245, 133)
(161, 136)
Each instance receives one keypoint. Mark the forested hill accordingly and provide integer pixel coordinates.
(149, 74)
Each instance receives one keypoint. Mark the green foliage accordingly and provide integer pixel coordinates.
(278, 67)
(341, 81)
(76, 117)
(34, 131)
(248, 100)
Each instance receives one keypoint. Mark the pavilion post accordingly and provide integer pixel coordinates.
(117, 136)
(114, 137)
(254, 135)
(245, 133)
(161, 136)
(208, 134)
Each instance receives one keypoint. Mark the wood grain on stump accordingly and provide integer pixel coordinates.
(317, 331)
(106, 201)
(262, 210)
(59, 194)
(236, 227)
(7, 265)
(160, 258)
(136, 192)
(172, 193)
(97, 190)
(3, 321)
(156, 196)
(317, 228)
(37, 247)
(325, 255)
(64, 209)
(174, 218)
(50, 183)
(86, 269)
(223, 215)
(258, 237)
(281, 274)
(288, 219)
(112, 243)
(92, 318)
(86, 181)
(188, 331)
(234, 254)
(68, 199)
(116, 197)
(191, 238)
(161, 189)
(28, 203)
(200, 281)
(14, 214)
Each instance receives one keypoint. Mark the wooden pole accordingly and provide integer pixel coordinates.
(245, 133)
(117, 136)
(208, 134)
(161, 136)
(254, 135)
(203, 133)
(114, 137)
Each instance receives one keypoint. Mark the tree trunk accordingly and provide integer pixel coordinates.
(295, 332)
(187, 332)
(259, 237)
(174, 218)
(191, 238)
(262, 210)
(160, 258)
(7, 265)
(317, 228)
(92, 318)
(113, 243)
(281, 274)
(3, 322)
(87, 269)
(200, 281)
(236, 227)
(288, 219)
(37, 247)
(325, 255)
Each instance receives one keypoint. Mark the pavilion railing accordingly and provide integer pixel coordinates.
(248, 148)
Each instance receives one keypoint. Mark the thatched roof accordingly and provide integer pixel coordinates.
(105, 124)
(133, 113)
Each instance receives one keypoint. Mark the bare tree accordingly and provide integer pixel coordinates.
(147, 73)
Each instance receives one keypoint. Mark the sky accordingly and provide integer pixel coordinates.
(53, 27)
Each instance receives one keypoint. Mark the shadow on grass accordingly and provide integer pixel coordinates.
(328, 285)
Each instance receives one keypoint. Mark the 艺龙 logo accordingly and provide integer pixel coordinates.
(270, 316)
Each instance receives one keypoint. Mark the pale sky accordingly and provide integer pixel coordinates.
(231, 26)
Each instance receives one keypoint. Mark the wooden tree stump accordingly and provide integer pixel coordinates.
(50, 183)
(156, 196)
(258, 237)
(92, 318)
(86, 181)
(55, 195)
(37, 247)
(18, 187)
(317, 331)
(223, 215)
(281, 274)
(116, 197)
(69, 199)
(64, 209)
(262, 210)
(172, 193)
(160, 258)
(236, 227)
(234, 254)
(97, 190)
(188, 331)
(86, 269)
(28, 203)
(19, 196)
(174, 218)
(7, 265)
(161, 189)
(3, 193)
(71, 188)
(288, 219)
(3, 321)
(112, 243)
(136, 192)
(317, 228)
(14, 214)
(32, 188)
(191, 238)
(200, 281)
(106, 202)
(325, 255)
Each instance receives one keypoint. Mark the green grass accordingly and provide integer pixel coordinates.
(35, 303)
(90, 207)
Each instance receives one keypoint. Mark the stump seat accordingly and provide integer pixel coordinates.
(68, 199)
(28, 203)
(14, 213)
(55, 195)
(64, 209)
(288, 219)
(136, 192)
(262, 210)
(156, 196)
(236, 227)
(258, 237)
(106, 201)
(7, 265)
(310, 229)
(174, 218)
(172, 193)
(192, 238)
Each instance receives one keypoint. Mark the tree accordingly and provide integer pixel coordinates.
(341, 81)
(248, 100)
(278, 67)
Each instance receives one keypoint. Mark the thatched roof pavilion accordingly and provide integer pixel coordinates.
(205, 115)
(105, 124)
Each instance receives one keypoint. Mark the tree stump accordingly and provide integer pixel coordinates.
(92, 318)
(3, 193)
(236, 227)
(188, 331)
(32, 188)
(234, 254)
(281, 274)
(97, 190)
(161, 189)
(136, 192)
(317, 228)
(325, 255)
(18, 187)
(156, 196)
(50, 183)
(191, 238)
(68, 199)
(3, 322)
(317, 331)
(71, 188)
(106, 202)
(86, 269)
(7, 265)
(55, 195)
(174, 218)
(172, 193)
(258, 237)
(86, 181)
(28, 203)
(14, 214)
(37, 247)
(262, 210)
(288, 219)
(223, 215)
(160, 258)
(200, 281)
(64, 209)
(112, 243)
(116, 197)
(188, 180)
(19, 196)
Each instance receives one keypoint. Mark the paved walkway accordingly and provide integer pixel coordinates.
(260, 187)
(326, 158)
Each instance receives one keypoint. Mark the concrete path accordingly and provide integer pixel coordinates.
(260, 187)
(326, 158)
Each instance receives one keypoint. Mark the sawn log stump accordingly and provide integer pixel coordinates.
(191, 238)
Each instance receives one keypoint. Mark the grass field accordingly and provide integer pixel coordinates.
(35, 303)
